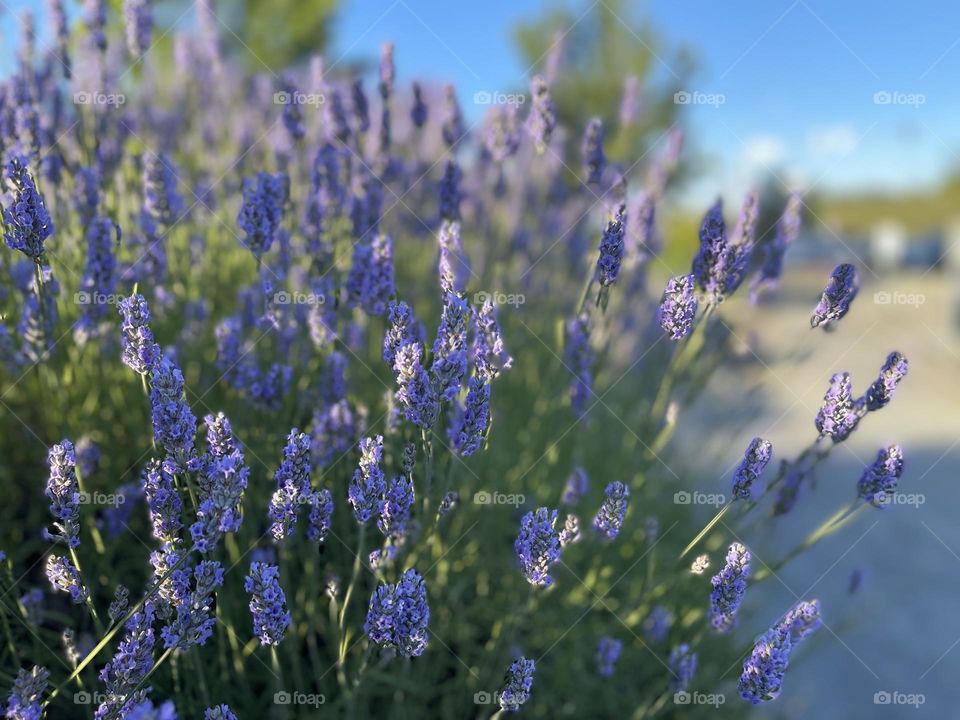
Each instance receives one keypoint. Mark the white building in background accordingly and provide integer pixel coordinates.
(888, 245)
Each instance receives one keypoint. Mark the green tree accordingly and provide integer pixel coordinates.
(597, 52)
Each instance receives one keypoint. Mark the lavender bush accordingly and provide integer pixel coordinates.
(382, 509)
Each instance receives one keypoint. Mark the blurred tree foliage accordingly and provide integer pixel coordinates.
(597, 51)
(279, 33)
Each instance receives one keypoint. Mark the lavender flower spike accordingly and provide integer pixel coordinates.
(608, 652)
(518, 681)
(611, 249)
(892, 372)
(754, 461)
(219, 712)
(293, 485)
(678, 307)
(713, 247)
(802, 620)
(268, 604)
(683, 665)
(28, 688)
(395, 507)
(64, 493)
(261, 214)
(762, 677)
(878, 483)
(543, 115)
(398, 615)
(594, 161)
(25, 217)
(610, 517)
(840, 291)
(839, 414)
(740, 248)
(368, 484)
(538, 546)
(63, 576)
(194, 621)
(174, 425)
(788, 227)
(140, 352)
(729, 586)
(321, 516)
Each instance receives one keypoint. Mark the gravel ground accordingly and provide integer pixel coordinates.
(899, 634)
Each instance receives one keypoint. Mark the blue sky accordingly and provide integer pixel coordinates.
(798, 78)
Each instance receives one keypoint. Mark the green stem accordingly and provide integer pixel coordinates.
(706, 529)
(346, 602)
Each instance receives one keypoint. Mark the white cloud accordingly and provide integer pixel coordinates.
(764, 151)
(835, 140)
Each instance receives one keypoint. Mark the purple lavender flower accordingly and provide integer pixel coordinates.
(129, 666)
(771, 265)
(174, 425)
(450, 347)
(419, 111)
(398, 615)
(883, 388)
(137, 15)
(609, 519)
(578, 357)
(370, 282)
(64, 577)
(543, 114)
(162, 205)
(713, 246)
(404, 329)
(261, 214)
(95, 18)
(577, 485)
(173, 585)
(732, 265)
(223, 478)
(678, 307)
(25, 217)
(538, 546)
(453, 266)
(121, 603)
(334, 432)
(571, 530)
(394, 511)
(840, 291)
(763, 672)
(194, 621)
(452, 127)
(99, 276)
(611, 249)
(32, 602)
(450, 191)
(839, 414)
(469, 423)
(517, 684)
(683, 665)
(368, 484)
(656, 626)
(220, 712)
(293, 485)
(591, 149)
(320, 519)
(608, 652)
(28, 689)
(140, 353)
(64, 494)
(291, 115)
(360, 107)
(729, 586)
(755, 459)
(268, 604)
(878, 483)
(163, 502)
(802, 619)
(497, 358)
